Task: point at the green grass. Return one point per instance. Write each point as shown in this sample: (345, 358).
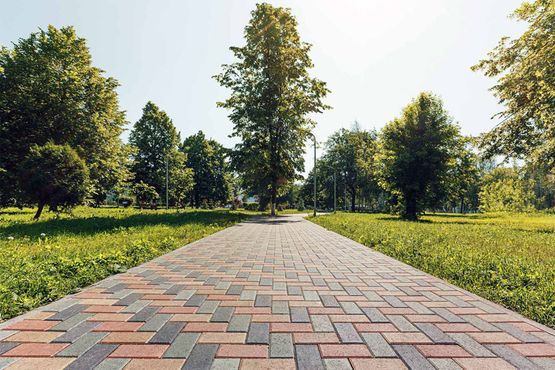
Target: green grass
(89, 245)
(509, 259)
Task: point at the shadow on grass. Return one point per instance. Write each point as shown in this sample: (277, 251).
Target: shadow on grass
(98, 224)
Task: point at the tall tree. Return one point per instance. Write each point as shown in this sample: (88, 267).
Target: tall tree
(272, 95)
(211, 172)
(155, 140)
(526, 86)
(414, 154)
(50, 92)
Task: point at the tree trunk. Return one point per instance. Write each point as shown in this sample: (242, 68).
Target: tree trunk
(273, 201)
(39, 211)
(462, 205)
(353, 200)
(411, 211)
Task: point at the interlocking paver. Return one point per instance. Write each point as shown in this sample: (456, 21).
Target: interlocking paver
(274, 293)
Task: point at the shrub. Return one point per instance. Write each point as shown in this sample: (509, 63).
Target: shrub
(53, 175)
(251, 206)
(125, 201)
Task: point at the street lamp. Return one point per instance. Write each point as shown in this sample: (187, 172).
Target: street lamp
(314, 138)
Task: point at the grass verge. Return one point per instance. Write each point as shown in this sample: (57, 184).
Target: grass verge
(508, 259)
(46, 260)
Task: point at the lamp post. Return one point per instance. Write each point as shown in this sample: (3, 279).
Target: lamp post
(167, 183)
(314, 138)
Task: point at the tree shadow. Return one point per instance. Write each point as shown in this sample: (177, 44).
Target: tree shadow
(99, 224)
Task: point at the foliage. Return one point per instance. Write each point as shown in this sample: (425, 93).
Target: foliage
(464, 176)
(504, 190)
(349, 159)
(181, 181)
(53, 175)
(155, 140)
(211, 172)
(509, 259)
(145, 194)
(253, 206)
(414, 154)
(50, 92)
(90, 245)
(526, 86)
(272, 95)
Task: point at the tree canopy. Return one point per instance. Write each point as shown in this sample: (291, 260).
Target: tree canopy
(53, 175)
(155, 140)
(50, 92)
(414, 154)
(211, 172)
(272, 95)
(526, 86)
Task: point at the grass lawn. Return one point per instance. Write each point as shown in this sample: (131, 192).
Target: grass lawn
(89, 245)
(509, 259)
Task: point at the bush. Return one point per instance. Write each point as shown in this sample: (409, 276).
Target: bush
(300, 205)
(125, 201)
(53, 175)
(251, 206)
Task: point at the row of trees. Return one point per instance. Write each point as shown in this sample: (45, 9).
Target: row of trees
(60, 135)
(60, 121)
(420, 161)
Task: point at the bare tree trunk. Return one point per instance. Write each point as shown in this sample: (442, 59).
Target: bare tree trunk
(273, 201)
(39, 211)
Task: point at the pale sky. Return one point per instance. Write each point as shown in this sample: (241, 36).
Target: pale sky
(375, 55)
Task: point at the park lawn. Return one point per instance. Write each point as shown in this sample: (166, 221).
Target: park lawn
(506, 258)
(89, 245)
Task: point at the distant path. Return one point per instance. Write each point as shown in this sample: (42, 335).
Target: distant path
(274, 293)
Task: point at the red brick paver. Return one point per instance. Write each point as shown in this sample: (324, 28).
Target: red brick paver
(274, 293)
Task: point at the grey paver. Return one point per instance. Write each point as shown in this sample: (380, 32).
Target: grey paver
(308, 357)
(299, 314)
(112, 364)
(259, 333)
(182, 345)
(225, 364)
(145, 314)
(239, 323)
(412, 357)
(167, 333)
(6, 346)
(281, 345)
(201, 357)
(470, 345)
(92, 357)
(222, 314)
(321, 323)
(337, 364)
(82, 345)
(347, 333)
(434, 333)
(374, 315)
(71, 322)
(263, 300)
(208, 307)
(378, 345)
(156, 322)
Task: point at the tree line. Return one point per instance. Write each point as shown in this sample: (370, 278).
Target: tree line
(60, 136)
(420, 161)
(61, 126)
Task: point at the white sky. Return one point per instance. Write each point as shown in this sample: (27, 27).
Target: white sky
(375, 55)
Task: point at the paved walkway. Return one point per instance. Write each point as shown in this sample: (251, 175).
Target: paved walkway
(278, 294)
